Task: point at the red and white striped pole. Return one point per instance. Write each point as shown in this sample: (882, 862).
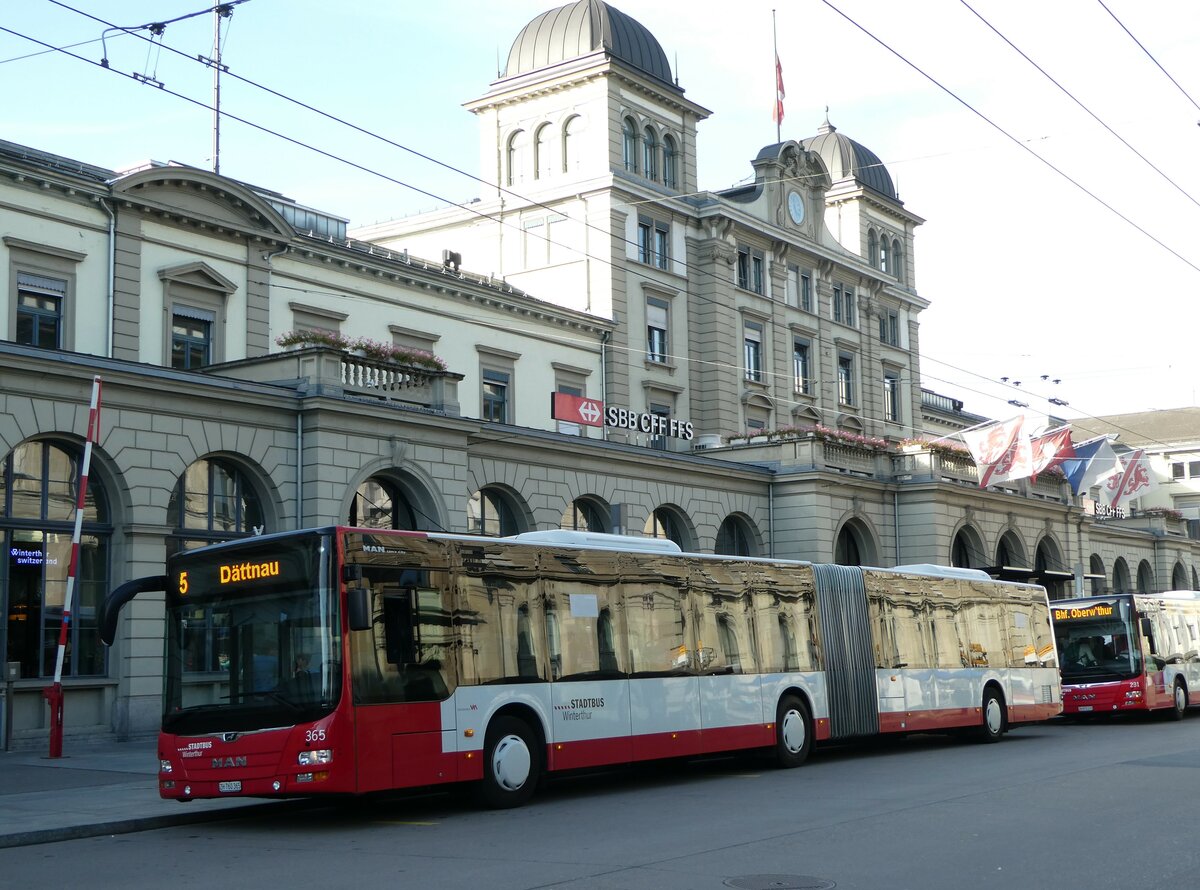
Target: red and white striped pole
(54, 694)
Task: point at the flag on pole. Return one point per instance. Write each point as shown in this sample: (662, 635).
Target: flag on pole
(777, 115)
(1001, 451)
(1051, 449)
(1094, 461)
(1134, 480)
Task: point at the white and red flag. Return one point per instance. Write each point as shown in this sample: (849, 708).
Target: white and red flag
(1051, 449)
(777, 114)
(1001, 451)
(1134, 480)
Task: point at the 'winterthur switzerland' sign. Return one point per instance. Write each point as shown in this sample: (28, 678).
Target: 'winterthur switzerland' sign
(592, 412)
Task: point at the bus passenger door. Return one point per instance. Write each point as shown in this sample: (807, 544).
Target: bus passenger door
(589, 720)
(889, 666)
(731, 708)
(403, 673)
(664, 691)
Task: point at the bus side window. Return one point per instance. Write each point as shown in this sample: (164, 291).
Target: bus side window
(400, 635)
(606, 643)
(527, 661)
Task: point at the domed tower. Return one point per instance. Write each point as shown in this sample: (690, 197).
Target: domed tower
(862, 208)
(587, 90)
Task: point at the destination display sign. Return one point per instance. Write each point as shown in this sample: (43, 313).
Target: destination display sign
(244, 570)
(1082, 613)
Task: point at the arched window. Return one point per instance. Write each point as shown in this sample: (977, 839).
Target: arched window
(883, 254)
(515, 158)
(570, 144)
(542, 162)
(670, 162)
(1121, 576)
(662, 524)
(872, 247)
(734, 538)
(583, 516)
(1179, 579)
(39, 490)
(1145, 578)
(897, 260)
(649, 154)
(489, 513)
(378, 503)
(213, 501)
(629, 144)
(1096, 570)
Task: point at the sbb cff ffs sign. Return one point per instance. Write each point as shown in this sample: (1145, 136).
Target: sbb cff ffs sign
(576, 409)
(592, 412)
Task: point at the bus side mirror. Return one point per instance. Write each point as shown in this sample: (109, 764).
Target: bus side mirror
(1147, 628)
(358, 608)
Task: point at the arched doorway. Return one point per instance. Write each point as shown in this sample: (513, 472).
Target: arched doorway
(39, 490)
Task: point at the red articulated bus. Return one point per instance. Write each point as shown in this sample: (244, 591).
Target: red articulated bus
(349, 661)
(1129, 652)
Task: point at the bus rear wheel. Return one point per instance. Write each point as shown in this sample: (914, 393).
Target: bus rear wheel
(992, 727)
(512, 763)
(1179, 701)
(793, 732)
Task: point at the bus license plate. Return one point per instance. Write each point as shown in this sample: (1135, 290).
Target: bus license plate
(1081, 707)
(229, 787)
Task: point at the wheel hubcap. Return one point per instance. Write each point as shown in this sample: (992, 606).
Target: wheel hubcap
(995, 720)
(511, 762)
(792, 732)
(1180, 699)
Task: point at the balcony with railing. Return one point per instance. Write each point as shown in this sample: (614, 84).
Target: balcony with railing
(333, 372)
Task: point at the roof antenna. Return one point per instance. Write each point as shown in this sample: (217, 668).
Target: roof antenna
(676, 67)
(497, 61)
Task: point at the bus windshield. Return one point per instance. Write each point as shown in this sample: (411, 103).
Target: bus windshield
(1097, 642)
(252, 636)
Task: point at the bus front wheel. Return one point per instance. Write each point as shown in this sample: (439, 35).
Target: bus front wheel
(511, 763)
(992, 726)
(793, 732)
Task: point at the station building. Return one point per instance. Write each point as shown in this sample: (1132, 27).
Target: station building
(596, 343)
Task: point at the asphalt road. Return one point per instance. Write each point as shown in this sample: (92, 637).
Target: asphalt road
(1059, 806)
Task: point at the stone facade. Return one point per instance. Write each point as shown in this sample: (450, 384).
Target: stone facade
(173, 284)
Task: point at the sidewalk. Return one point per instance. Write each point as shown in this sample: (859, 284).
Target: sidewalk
(95, 788)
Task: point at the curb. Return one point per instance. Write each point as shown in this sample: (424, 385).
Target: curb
(145, 823)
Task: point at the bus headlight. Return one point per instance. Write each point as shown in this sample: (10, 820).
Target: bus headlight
(311, 758)
(164, 766)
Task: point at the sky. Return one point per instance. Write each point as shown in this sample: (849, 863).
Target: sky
(1061, 246)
